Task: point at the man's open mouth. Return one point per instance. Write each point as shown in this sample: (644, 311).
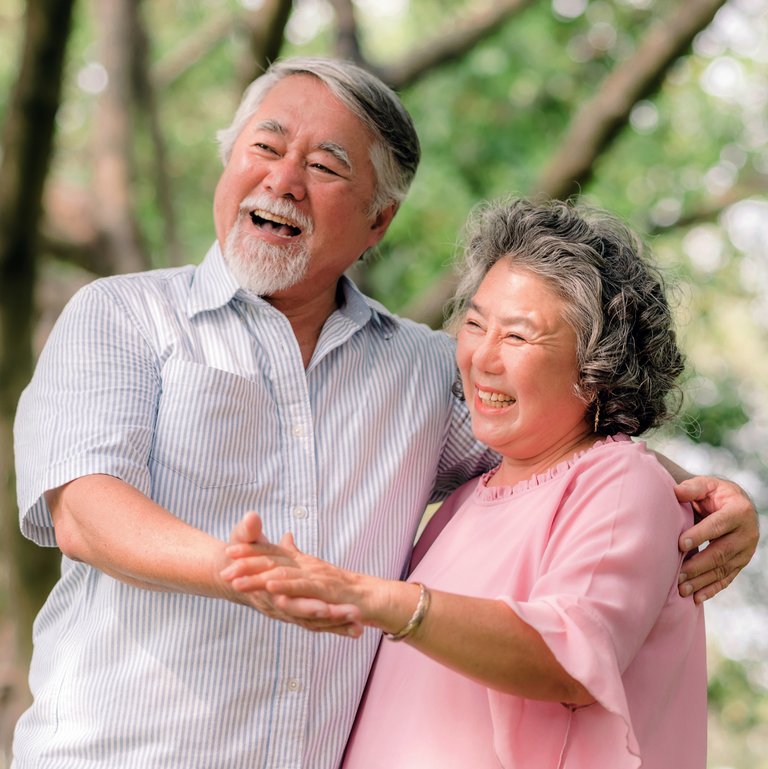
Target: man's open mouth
(275, 223)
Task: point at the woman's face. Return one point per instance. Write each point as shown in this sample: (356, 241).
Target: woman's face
(517, 358)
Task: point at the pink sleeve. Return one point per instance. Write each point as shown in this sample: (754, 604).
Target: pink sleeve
(607, 571)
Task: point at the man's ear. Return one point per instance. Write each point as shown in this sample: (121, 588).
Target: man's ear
(382, 221)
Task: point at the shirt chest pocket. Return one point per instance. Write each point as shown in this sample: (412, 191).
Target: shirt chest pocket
(213, 427)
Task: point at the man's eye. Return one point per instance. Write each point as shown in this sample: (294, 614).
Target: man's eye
(323, 169)
(265, 147)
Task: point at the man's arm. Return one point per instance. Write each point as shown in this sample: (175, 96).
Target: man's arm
(110, 525)
(729, 524)
(107, 523)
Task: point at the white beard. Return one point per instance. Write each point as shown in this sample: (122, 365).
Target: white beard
(265, 268)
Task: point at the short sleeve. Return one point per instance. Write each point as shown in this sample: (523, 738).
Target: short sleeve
(609, 568)
(89, 408)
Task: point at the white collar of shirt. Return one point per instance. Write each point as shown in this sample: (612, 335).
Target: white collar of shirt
(214, 286)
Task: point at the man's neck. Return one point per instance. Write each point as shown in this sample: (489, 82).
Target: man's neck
(307, 316)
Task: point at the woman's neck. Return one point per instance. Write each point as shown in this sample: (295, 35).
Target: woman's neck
(514, 469)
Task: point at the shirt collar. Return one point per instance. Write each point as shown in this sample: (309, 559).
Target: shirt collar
(214, 286)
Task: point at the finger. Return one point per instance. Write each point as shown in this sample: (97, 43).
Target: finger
(698, 575)
(248, 583)
(694, 489)
(713, 587)
(287, 542)
(315, 608)
(248, 566)
(707, 530)
(248, 529)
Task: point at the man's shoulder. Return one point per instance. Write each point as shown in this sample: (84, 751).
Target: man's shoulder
(137, 289)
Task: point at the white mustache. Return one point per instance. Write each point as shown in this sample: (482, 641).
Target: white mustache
(278, 206)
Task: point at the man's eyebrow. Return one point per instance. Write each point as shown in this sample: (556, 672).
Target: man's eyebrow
(337, 151)
(271, 125)
(332, 148)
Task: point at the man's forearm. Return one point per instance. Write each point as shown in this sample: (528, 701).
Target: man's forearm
(112, 526)
(678, 473)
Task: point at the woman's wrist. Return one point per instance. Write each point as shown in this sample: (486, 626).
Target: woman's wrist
(396, 603)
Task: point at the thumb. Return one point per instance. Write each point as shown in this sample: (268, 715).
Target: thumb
(693, 489)
(249, 530)
(288, 543)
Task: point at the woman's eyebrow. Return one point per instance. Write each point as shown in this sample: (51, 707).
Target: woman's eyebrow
(504, 320)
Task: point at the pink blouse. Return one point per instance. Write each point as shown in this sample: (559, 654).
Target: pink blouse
(587, 555)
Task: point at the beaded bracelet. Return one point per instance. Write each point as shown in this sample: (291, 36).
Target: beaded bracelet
(416, 619)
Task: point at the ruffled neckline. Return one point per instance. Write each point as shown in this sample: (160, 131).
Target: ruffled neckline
(488, 493)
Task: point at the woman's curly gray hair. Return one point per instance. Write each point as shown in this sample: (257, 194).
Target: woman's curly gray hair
(614, 296)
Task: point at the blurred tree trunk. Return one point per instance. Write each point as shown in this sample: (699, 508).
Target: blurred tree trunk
(27, 143)
(265, 28)
(112, 198)
(145, 97)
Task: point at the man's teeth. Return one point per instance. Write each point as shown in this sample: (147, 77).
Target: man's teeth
(495, 400)
(273, 218)
(275, 222)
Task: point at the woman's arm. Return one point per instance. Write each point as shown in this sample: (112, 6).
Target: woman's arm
(496, 648)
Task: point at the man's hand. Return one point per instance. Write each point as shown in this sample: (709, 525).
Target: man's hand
(252, 555)
(731, 527)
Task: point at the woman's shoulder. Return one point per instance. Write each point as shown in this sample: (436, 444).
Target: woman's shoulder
(625, 455)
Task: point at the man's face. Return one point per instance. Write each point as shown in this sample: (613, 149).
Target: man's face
(290, 206)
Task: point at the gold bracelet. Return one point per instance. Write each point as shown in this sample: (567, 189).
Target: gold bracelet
(416, 619)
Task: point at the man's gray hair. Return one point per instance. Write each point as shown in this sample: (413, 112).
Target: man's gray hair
(614, 300)
(395, 150)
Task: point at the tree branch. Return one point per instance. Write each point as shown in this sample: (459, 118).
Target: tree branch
(449, 44)
(600, 119)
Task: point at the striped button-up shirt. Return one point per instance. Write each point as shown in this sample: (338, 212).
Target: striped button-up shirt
(194, 391)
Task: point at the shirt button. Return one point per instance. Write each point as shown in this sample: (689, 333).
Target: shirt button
(294, 684)
(298, 431)
(300, 511)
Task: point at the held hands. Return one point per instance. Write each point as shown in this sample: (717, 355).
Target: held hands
(731, 527)
(279, 581)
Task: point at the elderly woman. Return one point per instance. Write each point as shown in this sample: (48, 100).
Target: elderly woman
(543, 626)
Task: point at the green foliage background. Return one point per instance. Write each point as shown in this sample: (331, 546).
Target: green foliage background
(488, 123)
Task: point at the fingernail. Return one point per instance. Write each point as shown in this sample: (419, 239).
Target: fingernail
(686, 590)
(683, 576)
(687, 544)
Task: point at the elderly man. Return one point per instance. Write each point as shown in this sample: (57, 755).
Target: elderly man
(169, 403)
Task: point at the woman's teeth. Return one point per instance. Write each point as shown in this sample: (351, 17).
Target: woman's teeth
(495, 400)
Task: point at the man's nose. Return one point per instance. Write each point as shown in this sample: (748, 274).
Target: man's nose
(286, 179)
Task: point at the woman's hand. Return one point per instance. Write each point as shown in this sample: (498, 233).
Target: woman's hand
(254, 560)
(730, 525)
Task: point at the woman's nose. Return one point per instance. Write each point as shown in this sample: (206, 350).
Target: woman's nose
(486, 356)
